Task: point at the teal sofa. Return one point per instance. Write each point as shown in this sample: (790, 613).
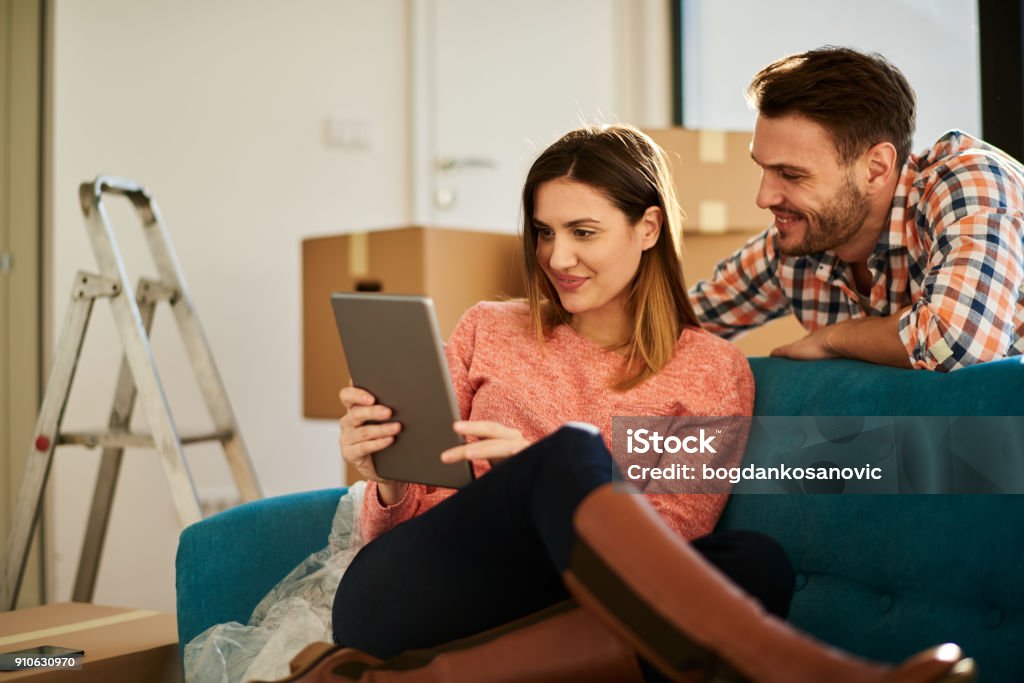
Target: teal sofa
(880, 575)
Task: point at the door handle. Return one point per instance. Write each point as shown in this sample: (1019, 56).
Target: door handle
(449, 164)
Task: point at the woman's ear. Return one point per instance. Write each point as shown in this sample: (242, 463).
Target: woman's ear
(650, 226)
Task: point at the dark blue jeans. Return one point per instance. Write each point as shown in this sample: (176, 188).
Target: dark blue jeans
(494, 551)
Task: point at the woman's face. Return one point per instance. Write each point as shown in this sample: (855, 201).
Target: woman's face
(587, 247)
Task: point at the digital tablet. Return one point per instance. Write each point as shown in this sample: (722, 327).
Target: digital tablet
(394, 350)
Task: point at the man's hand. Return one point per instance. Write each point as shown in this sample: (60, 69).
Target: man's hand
(875, 340)
(815, 346)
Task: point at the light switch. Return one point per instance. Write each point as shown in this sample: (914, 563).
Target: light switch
(348, 133)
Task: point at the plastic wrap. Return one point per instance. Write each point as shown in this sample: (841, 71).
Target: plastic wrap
(296, 612)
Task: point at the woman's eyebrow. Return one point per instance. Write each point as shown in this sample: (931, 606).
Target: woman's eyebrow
(571, 224)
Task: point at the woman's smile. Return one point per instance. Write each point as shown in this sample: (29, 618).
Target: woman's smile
(569, 283)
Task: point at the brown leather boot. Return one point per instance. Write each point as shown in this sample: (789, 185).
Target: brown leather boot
(682, 614)
(322, 662)
(558, 644)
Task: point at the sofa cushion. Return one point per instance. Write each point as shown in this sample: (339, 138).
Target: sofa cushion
(888, 575)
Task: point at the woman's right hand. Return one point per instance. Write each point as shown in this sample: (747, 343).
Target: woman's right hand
(359, 441)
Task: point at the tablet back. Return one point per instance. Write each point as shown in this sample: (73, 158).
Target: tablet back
(394, 350)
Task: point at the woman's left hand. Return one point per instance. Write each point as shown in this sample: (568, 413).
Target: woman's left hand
(494, 441)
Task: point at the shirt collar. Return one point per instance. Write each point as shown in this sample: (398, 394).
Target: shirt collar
(895, 237)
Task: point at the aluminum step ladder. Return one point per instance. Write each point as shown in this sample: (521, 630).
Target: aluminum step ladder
(138, 378)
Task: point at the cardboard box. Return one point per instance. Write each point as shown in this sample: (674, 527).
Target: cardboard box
(716, 180)
(456, 268)
(121, 645)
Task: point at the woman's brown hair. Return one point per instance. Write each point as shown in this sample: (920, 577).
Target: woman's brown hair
(628, 168)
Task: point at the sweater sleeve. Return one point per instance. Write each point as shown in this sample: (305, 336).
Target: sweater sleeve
(695, 514)
(418, 498)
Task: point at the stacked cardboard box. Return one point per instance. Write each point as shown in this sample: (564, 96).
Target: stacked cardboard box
(716, 182)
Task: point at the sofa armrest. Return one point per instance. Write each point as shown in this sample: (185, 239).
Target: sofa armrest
(228, 562)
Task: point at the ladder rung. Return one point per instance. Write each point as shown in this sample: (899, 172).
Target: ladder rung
(123, 439)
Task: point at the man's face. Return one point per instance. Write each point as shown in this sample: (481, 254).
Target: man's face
(813, 195)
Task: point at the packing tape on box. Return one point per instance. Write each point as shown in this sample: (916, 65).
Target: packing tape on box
(712, 217)
(359, 254)
(78, 626)
(711, 146)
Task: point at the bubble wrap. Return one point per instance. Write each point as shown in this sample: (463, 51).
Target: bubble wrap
(295, 613)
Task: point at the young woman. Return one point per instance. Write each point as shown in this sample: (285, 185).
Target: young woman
(607, 329)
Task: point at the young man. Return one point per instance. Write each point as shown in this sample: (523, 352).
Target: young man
(884, 256)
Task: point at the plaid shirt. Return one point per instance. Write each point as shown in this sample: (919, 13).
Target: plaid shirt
(954, 253)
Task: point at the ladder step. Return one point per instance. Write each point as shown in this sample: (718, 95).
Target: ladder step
(125, 439)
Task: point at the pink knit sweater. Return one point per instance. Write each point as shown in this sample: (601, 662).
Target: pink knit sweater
(502, 373)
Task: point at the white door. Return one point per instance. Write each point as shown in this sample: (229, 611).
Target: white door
(493, 84)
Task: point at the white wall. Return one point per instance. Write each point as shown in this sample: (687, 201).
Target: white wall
(934, 43)
(218, 109)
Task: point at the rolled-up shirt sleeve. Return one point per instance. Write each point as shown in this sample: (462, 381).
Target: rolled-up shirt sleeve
(975, 277)
(744, 292)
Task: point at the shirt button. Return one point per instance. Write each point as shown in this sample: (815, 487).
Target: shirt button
(885, 603)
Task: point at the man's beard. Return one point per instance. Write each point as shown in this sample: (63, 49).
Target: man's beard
(834, 225)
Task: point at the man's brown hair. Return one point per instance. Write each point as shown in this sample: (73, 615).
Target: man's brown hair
(861, 99)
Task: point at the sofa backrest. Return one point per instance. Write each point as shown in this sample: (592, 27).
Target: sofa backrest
(226, 563)
(888, 575)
